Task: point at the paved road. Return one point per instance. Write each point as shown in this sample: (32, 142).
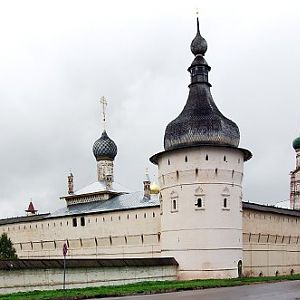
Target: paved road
(289, 290)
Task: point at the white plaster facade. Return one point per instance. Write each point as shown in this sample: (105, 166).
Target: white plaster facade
(129, 233)
(205, 238)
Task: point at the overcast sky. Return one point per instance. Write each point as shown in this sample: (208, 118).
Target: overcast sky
(58, 57)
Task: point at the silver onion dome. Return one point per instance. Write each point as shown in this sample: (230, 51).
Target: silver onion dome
(105, 148)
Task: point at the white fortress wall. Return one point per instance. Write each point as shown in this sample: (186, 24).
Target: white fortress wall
(127, 233)
(271, 243)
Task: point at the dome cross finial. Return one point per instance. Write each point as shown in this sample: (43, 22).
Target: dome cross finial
(103, 102)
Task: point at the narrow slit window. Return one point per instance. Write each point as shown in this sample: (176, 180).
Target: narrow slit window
(82, 221)
(174, 204)
(206, 157)
(224, 157)
(225, 203)
(186, 159)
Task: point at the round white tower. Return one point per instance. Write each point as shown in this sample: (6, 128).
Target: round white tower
(200, 174)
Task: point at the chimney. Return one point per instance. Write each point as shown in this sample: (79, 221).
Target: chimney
(147, 183)
(70, 184)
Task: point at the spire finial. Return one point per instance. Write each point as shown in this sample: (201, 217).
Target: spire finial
(198, 45)
(103, 101)
(197, 15)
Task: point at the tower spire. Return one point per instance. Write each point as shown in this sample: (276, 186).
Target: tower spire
(103, 102)
(200, 122)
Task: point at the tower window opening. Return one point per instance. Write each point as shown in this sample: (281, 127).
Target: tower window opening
(206, 157)
(127, 217)
(186, 159)
(225, 203)
(168, 162)
(82, 221)
(174, 204)
(145, 215)
(232, 173)
(239, 160)
(199, 202)
(216, 171)
(177, 174)
(74, 220)
(153, 214)
(224, 157)
(136, 216)
(196, 171)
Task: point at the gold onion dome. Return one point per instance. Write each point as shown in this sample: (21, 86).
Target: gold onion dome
(154, 188)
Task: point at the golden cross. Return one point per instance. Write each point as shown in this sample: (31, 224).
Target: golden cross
(104, 104)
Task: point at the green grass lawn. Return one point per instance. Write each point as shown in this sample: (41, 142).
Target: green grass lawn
(141, 288)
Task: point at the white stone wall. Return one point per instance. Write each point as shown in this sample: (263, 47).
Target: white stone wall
(130, 233)
(50, 279)
(271, 244)
(206, 241)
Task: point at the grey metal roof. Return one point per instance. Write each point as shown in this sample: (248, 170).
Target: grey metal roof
(97, 187)
(86, 263)
(120, 202)
(271, 209)
(33, 218)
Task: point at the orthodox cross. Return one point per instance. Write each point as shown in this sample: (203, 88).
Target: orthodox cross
(104, 104)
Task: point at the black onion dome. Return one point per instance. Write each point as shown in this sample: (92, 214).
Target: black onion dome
(200, 122)
(105, 148)
(199, 44)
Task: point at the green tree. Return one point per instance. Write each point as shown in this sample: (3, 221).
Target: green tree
(7, 250)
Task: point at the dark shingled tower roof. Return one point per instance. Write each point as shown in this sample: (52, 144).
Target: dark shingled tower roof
(200, 122)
